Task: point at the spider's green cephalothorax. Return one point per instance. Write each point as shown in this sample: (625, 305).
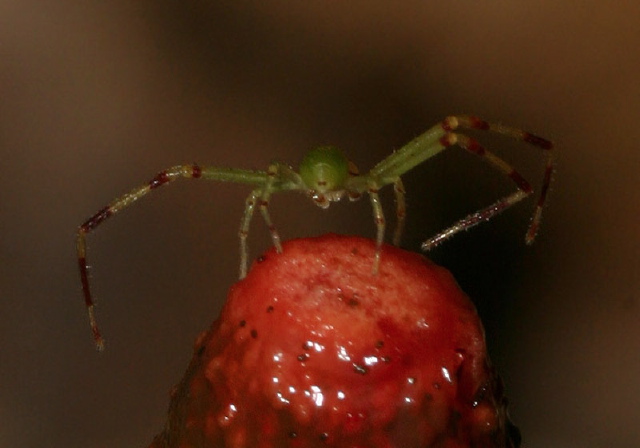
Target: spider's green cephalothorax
(324, 169)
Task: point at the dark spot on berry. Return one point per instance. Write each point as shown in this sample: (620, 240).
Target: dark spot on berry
(293, 435)
(303, 357)
(254, 334)
(201, 350)
(379, 344)
(352, 302)
(436, 386)
(308, 345)
(362, 370)
(270, 309)
(261, 258)
(354, 251)
(243, 323)
(324, 436)
(386, 359)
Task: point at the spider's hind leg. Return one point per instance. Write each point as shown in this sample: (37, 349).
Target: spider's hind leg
(273, 174)
(280, 177)
(378, 217)
(243, 233)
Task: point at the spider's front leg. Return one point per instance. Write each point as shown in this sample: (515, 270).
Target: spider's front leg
(256, 178)
(443, 136)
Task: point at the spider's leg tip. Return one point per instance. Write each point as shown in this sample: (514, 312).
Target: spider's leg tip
(531, 234)
(428, 245)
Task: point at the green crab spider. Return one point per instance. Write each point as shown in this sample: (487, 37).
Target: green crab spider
(325, 175)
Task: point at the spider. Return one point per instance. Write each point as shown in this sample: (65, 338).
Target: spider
(325, 175)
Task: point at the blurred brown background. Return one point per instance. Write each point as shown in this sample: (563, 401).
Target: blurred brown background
(95, 97)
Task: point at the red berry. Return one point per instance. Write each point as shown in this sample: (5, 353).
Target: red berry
(313, 350)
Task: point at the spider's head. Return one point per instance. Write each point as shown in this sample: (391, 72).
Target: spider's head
(324, 171)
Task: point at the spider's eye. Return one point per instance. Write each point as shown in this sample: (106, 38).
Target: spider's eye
(324, 169)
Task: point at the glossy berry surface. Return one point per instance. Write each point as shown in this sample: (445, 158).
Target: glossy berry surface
(312, 350)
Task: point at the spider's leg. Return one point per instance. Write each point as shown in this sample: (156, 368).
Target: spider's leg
(544, 190)
(243, 233)
(524, 189)
(279, 177)
(471, 122)
(409, 156)
(274, 171)
(124, 201)
(401, 211)
(475, 218)
(439, 138)
(378, 217)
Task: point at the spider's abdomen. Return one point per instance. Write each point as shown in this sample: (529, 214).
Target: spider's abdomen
(324, 169)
